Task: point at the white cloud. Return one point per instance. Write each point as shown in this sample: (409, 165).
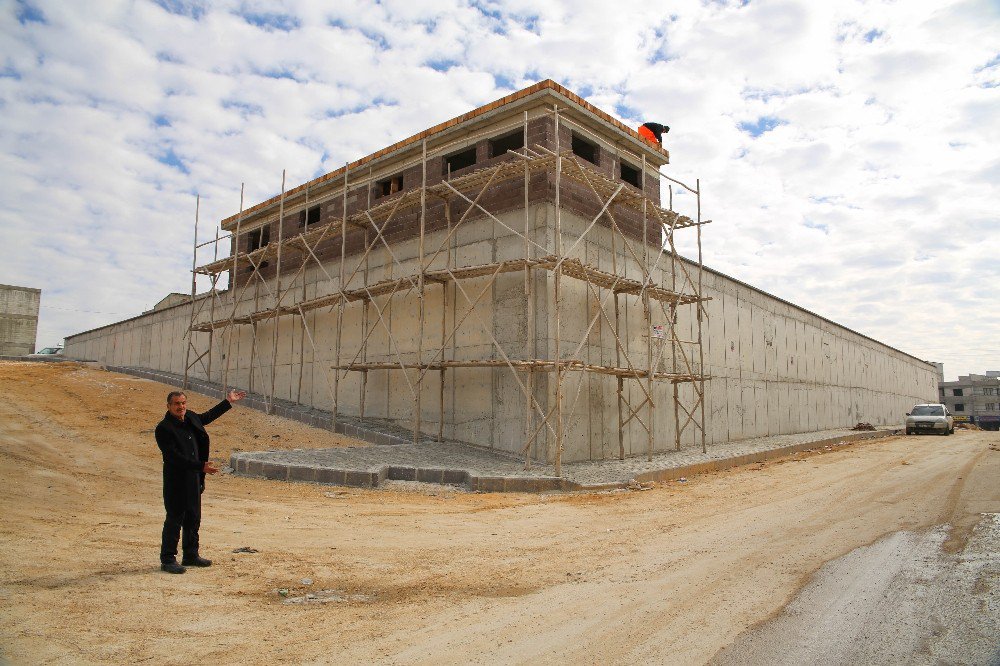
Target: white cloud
(847, 150)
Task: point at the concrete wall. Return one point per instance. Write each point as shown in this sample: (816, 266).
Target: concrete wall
(775, 368)
(18, 319)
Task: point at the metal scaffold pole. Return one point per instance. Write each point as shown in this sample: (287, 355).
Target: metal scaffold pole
(701, 348)
(420, 290)
(232, 291)
(557, 277)
(194, 288)
(277, 296)
(340, 301)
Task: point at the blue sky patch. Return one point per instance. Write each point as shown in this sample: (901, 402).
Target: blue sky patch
(377, 38)
(443, 64)
(189, 8)
(163, 56)
(161, 120)
(761, 125)
(171, 160)
(279, 73)
(872, 35)
(28, 13)
(502, 81)
(529, 23)
(271, 21)
(817, 225)
(824, 199)
(376, 103)
(625, 111)
(486, 10)
(243, 108)
(662, 54)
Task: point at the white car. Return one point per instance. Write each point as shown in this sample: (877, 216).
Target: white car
(48, 354)
(931, 418)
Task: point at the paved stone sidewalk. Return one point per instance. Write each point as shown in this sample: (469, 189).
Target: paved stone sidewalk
(489, 471)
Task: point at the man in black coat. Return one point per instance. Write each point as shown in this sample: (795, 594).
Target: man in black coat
(184, 443)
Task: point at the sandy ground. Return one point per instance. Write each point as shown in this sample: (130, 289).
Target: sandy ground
(423, 575)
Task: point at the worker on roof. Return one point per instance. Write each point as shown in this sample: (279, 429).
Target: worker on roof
(653, 132)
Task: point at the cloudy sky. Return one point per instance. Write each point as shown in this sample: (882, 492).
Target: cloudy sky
(849, 151)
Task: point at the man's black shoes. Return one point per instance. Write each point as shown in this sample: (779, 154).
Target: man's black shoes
(172, 567)
(192, 561)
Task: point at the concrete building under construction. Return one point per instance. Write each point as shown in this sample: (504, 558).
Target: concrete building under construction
(18, 319)
(509, 279)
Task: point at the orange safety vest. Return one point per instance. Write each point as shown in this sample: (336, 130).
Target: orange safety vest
(648, 135)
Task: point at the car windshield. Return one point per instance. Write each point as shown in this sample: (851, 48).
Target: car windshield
(928, 410)
(49, 350)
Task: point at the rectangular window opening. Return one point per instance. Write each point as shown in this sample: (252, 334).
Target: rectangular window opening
(502, 144)
(957, 392)
(258, 238)
(959, 407)
(585, 149)
(630, 175)
(391, 185)
(458, 161)
(308, 218)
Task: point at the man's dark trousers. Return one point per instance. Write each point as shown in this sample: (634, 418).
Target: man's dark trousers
(182, 500)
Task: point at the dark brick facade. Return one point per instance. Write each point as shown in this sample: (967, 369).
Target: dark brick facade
(502, 196)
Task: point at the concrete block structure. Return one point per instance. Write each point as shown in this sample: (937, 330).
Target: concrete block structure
(509, 279)
(18, 319)
(974, 399)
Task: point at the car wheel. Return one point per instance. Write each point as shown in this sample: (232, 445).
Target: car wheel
(909, 432)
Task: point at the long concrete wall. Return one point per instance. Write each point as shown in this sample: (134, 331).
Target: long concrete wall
(18, 319)
(775, 368)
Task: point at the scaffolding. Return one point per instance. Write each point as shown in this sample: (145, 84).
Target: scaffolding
(665, 357)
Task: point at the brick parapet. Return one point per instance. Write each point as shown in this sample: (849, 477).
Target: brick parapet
(501, 197)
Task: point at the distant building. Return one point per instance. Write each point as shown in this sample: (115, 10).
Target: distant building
(974, 399)
(18, 319)
(169, 301)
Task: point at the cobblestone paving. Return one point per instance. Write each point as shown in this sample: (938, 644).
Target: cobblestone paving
(484, 463)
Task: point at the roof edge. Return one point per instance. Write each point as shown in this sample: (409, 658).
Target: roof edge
(547, 84)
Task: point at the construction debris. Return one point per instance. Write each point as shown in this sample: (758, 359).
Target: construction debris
(863, 426)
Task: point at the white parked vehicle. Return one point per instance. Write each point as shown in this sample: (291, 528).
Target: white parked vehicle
(933, 418)
(48, 354)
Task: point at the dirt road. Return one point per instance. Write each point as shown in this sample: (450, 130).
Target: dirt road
(669, 575)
